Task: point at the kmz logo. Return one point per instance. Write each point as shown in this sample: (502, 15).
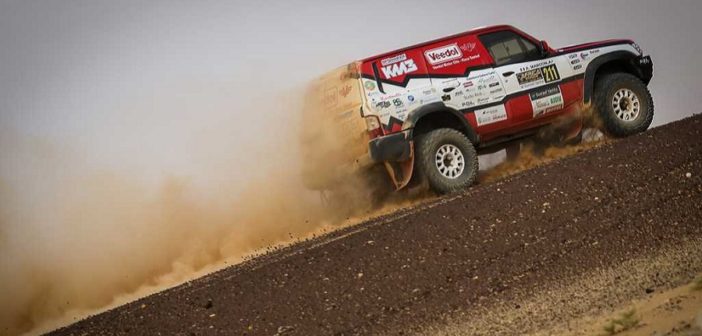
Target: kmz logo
(399, 69)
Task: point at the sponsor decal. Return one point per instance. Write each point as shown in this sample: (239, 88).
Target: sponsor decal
(458, 93)
(468, 46)
(493, 84)
(369, 85)
(397, 102)
(529, 76)
(578, 67)
(541, 103)
(344, 91)
(394, 59)
(449, 82)
(485, 78)
(399, 69)
(571, 56)
(391, 96)
(584, 55)
(468, 84)
(544, 93)
(496, 90)
(470, 58)
(537, 65)
(410, 98)
(575, 61)
(490, 115)
(446, 97)
(546, 100)
(443, 54)
(546, 74)
(383, 104)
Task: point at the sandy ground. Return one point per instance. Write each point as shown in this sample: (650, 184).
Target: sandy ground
(656, 287)
(675, 312)
(533, 253)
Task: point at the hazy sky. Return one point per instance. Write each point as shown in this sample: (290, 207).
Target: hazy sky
(193, 87)
(102, 101)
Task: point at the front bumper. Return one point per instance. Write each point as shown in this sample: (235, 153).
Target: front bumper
(645, 66)
(391, 148)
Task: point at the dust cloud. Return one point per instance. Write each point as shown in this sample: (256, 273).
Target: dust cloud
(76, 240)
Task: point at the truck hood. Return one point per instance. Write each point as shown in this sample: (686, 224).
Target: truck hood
(590, 45)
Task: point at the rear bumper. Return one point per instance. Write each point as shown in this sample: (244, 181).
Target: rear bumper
(393, 148)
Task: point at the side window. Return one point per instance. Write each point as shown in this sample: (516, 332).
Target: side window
(507, 47)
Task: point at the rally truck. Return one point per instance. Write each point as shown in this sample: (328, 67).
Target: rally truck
(426, 111)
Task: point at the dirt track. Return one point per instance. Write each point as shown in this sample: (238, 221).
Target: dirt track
(464, 253)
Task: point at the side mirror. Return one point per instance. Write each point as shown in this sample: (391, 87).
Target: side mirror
(544, 48)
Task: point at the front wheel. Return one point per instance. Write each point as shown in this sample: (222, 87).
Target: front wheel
(624, 104)
(446, 159)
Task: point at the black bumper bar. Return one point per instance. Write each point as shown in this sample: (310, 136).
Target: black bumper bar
(645, 65)
(393, 147)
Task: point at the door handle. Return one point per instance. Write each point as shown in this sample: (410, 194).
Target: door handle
(508, 73)
(449, 89)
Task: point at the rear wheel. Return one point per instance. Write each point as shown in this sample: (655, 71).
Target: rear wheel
(446, 159)
(624, 104)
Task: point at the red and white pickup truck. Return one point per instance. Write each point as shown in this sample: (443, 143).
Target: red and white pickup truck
(428, 110)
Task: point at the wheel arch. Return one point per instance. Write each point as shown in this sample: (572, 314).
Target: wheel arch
(438, 115)
(618, 61)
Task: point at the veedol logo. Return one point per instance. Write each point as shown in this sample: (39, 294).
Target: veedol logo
(399, 69)
(443, 54)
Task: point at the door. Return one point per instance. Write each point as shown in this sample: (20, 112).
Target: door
(461, 73)
(531, 81)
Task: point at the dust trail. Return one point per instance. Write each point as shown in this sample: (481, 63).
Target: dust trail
(109, 236)
(75, 239)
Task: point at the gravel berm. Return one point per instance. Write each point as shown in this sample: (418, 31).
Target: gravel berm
(397, 273)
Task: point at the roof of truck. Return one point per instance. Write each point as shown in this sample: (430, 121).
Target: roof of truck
(479, 30)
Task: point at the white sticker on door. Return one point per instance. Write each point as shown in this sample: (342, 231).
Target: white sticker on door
(491, 115)
(546, 100)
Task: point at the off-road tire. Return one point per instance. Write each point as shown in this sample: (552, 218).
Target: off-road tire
(426, 150)
(605, 89)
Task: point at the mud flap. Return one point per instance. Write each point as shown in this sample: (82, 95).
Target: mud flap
(401, 172)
